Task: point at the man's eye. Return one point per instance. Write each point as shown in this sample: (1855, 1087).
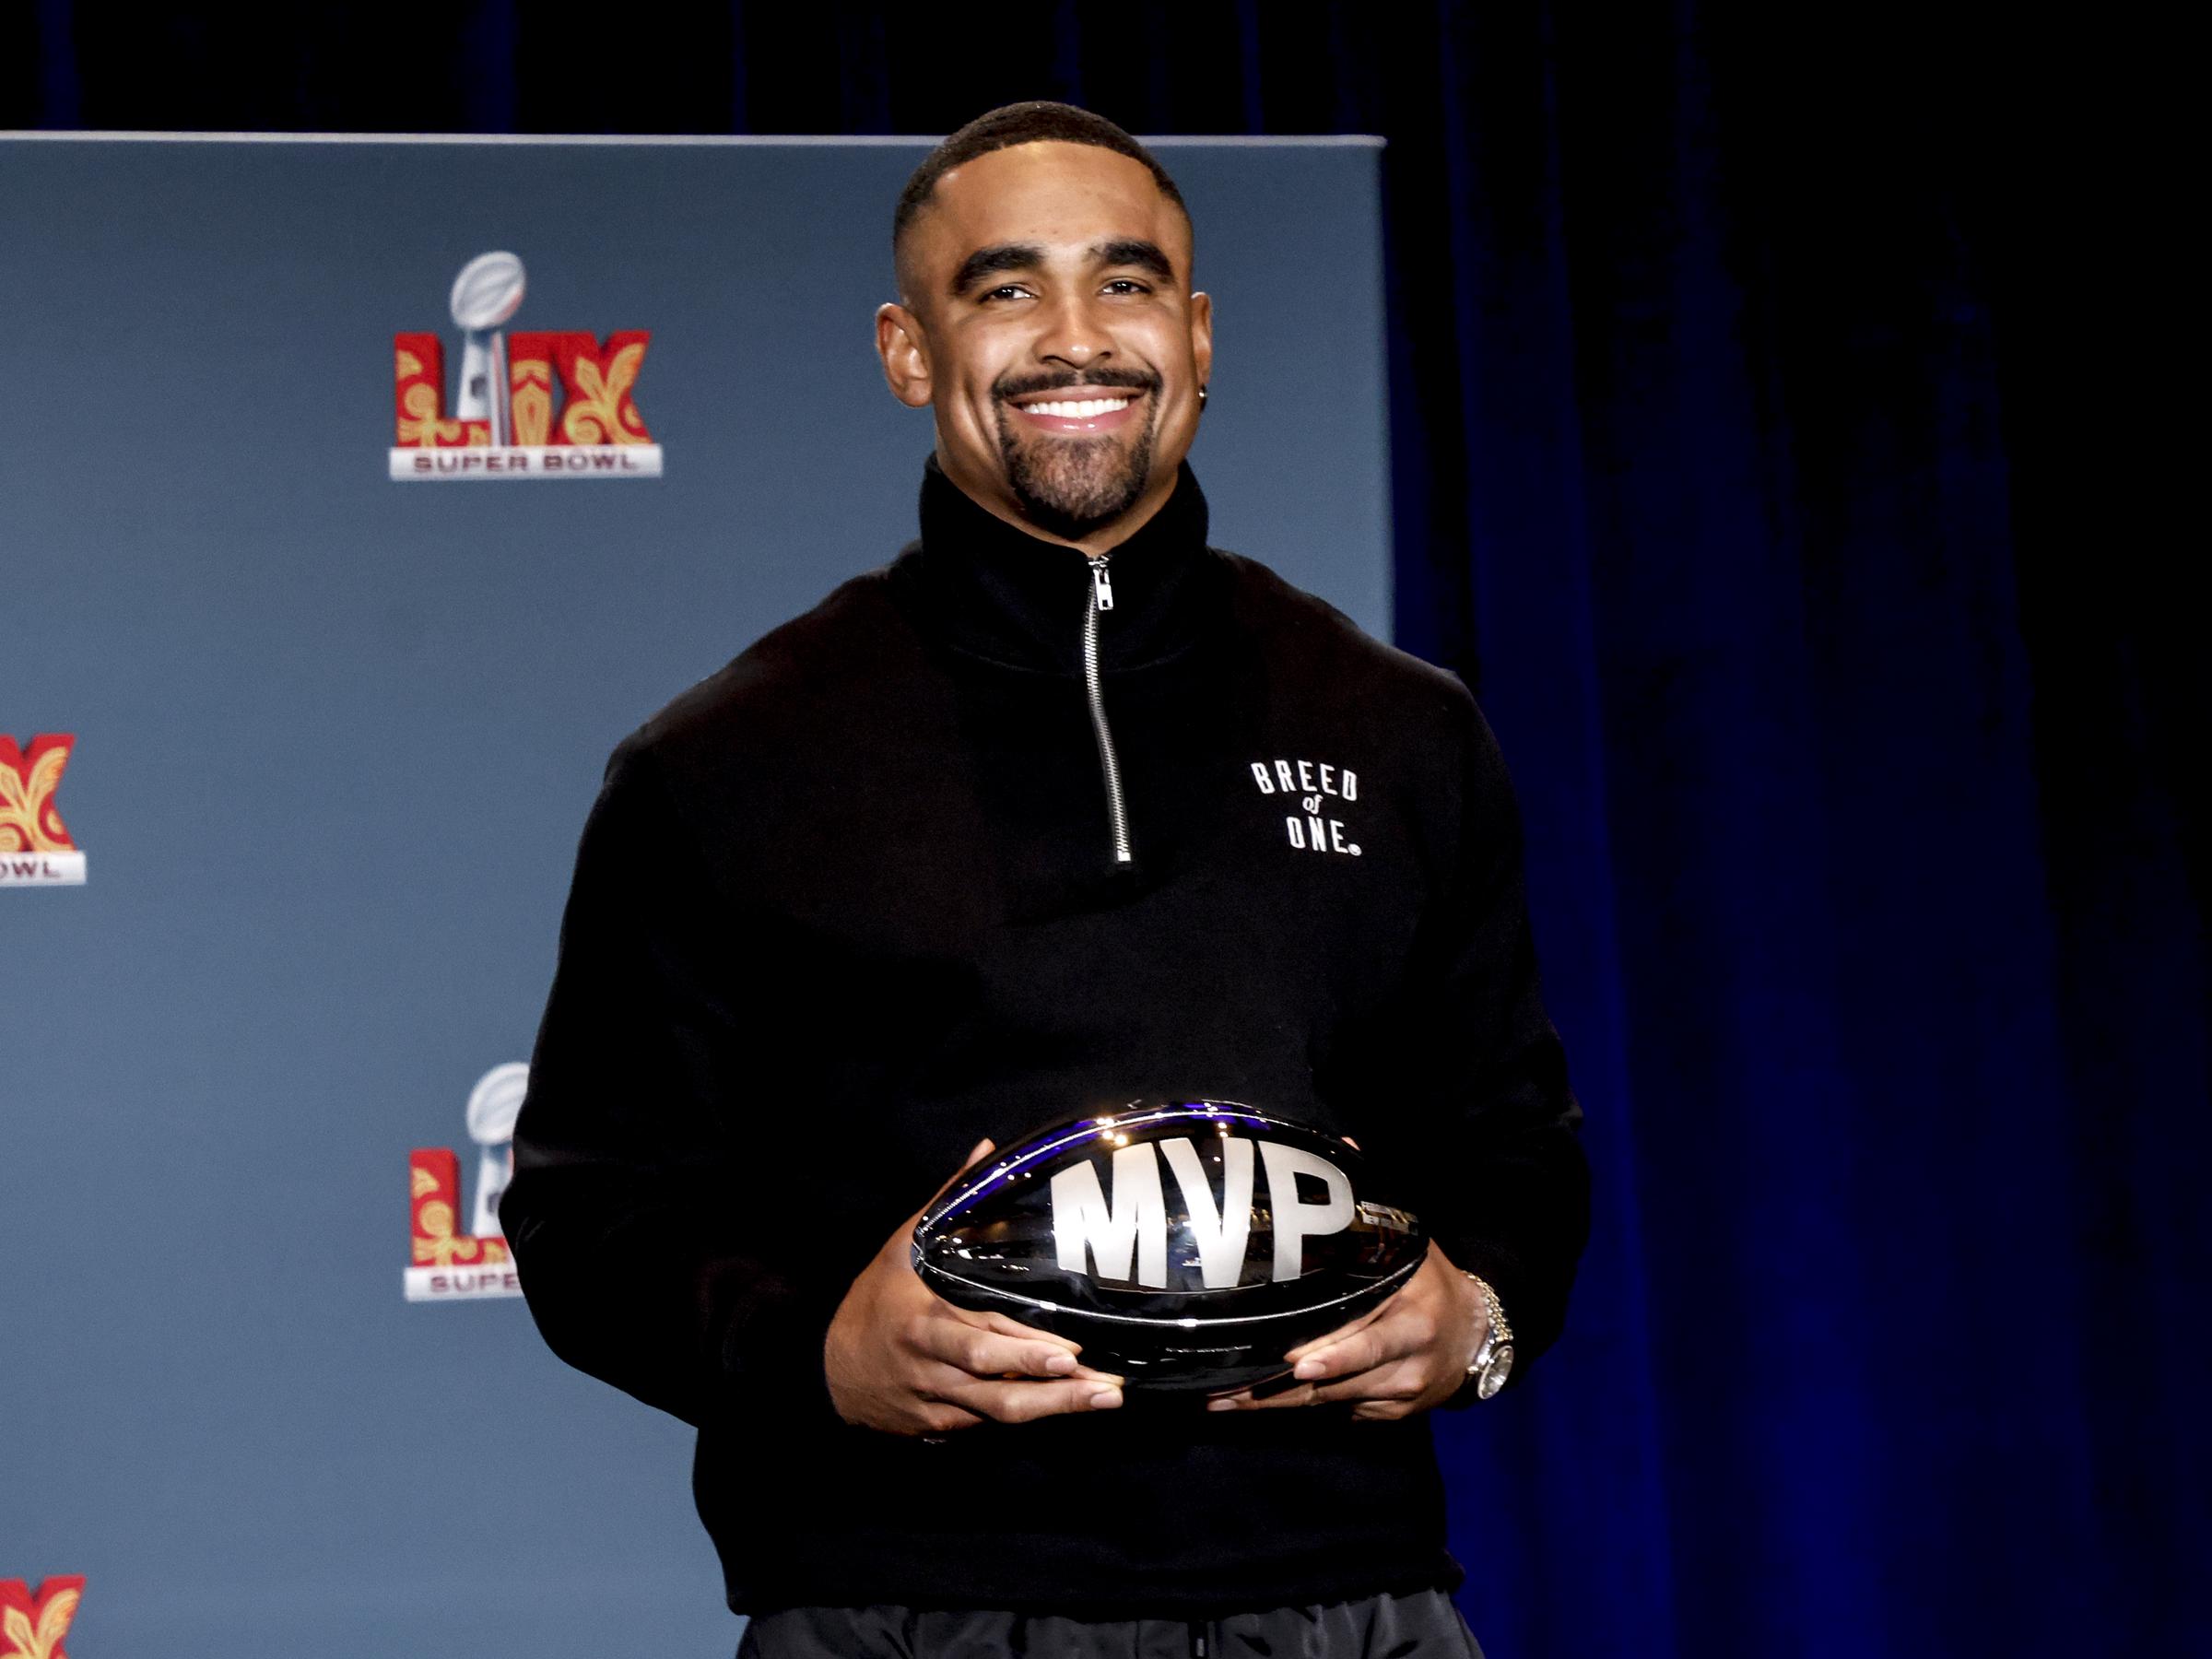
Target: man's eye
(1128, 285)
(1010, 289)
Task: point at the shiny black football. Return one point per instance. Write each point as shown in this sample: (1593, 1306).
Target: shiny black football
(1186, 1245)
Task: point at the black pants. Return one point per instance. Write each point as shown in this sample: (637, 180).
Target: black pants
(1421, 1626)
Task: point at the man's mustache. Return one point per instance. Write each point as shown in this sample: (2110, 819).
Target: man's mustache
(1127, 380)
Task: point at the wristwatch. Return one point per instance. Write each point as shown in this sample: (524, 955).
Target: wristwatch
(1493, 1361)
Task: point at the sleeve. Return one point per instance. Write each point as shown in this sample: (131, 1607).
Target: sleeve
(1501, 1177)
(635, 1259)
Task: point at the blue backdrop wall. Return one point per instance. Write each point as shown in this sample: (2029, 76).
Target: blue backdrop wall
(336, 739)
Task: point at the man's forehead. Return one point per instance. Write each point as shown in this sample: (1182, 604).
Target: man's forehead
(1053, 194)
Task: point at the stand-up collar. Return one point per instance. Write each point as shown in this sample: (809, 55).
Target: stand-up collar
(996, 592)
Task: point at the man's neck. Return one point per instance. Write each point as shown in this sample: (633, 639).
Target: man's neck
(991, 496)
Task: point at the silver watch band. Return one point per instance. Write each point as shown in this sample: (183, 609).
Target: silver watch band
(1494, 1360)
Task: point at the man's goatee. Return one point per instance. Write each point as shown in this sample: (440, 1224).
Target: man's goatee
(1076, 484)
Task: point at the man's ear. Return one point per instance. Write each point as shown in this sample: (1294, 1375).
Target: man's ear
(1202, 336)
(904, 348)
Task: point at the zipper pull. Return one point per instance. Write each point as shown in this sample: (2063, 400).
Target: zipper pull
(1101, 583)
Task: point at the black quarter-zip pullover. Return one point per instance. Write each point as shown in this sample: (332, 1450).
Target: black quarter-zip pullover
(855, 902)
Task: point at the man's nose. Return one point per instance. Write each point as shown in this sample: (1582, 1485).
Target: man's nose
(1073, 334)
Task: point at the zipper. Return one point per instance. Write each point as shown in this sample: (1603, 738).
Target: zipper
(1101, 600)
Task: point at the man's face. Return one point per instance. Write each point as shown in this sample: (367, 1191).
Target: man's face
(1048, 321)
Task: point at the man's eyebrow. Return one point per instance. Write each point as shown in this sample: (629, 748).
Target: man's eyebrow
(989, 262)
(1135, 251)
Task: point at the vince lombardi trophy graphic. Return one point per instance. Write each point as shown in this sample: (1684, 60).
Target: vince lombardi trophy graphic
(486, 295)
(492, 1107)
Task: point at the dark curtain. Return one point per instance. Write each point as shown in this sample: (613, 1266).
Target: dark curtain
(1772, 455)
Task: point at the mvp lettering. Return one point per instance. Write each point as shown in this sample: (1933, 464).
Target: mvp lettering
(1131, 1232)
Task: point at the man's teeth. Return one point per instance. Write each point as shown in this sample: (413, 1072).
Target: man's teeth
(1080, 411)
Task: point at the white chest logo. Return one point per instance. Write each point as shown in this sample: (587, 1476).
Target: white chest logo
(1314, 785)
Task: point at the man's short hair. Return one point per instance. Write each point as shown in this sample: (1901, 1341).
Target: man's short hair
(1003, 128)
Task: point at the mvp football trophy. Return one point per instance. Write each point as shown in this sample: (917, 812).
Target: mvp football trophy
(1186, 1244)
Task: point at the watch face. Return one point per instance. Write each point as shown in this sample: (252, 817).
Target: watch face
(1495, 1373)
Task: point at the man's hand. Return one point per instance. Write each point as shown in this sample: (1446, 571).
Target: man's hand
(902, 1358)
(1409, 1355)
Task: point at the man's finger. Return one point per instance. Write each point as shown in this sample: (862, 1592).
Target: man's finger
(1382, 1411)
(1341, 1332)
(1362, 1366)
(1026, 1402)
(1014, 1328)
(1371, 1345)
(1393, 1383)
(982, 1352)
(1298, 1393)
(1397, 1382)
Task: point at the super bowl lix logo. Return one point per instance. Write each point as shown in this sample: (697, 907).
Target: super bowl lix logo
(33, 1623)
(35, 851)
(445, 1264)
(506, 421)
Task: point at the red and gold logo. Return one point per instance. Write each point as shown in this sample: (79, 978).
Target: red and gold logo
(506, 421)
(35, 850)
(32, 1626)
(446, 1264)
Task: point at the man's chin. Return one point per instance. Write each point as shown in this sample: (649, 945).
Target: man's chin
(1073, 518)
(1073, 495)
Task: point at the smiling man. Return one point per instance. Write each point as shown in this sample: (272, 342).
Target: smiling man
(994, 246)
(1062, 808)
